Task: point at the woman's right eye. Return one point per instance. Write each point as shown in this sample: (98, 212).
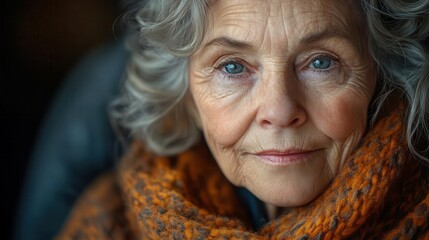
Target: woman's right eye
(233, 68)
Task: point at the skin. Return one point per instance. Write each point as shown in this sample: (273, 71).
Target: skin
(280, 96)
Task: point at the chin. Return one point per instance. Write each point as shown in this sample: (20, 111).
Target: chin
(288, 198)
(293, 201)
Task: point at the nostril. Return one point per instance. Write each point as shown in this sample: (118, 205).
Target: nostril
(266, 123)
(282, 119)
(295, 122)
(280, 109)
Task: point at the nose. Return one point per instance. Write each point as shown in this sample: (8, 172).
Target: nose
(280, 107)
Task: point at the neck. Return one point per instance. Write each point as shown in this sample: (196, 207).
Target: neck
(271, 211)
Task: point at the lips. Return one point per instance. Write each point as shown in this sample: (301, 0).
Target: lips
(287, 157)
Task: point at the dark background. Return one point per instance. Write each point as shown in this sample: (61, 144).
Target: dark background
(41, 41)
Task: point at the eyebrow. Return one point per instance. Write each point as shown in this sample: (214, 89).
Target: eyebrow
(313, 37)
(229, 42)
(322, 35)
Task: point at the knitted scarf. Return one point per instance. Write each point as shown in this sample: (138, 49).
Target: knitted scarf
(381, 193)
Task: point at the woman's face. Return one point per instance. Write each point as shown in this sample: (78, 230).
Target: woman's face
(282, 89)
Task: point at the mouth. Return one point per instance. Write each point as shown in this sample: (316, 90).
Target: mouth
(286, 157)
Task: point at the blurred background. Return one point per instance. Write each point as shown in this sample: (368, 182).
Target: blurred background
(41, 41)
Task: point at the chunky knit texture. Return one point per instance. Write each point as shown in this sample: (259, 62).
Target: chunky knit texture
(381, 193)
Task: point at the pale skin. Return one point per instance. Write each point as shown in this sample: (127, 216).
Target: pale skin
(281, 91)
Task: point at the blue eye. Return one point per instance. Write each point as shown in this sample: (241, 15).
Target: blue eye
(321, 63)
(233, 68)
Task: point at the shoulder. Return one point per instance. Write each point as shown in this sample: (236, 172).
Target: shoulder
(99, 213)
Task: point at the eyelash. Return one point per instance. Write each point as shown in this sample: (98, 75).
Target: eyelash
(246, 70)
(220, 65)
(335, 62)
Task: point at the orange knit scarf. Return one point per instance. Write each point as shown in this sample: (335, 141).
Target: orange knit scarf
(381, 193)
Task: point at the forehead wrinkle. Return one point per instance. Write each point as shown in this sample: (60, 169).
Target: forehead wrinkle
(235, 10)
(230, 26)
(235, 20)
(232, 16)
(320, 24)
(326, 24)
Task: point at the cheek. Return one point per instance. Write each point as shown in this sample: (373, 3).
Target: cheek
(222, 118)
(222, 124)
(342, 116)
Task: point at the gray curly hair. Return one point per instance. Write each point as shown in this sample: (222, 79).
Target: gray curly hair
(154, 105)
(399, 44)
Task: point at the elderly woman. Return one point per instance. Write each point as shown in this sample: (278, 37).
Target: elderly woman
(313, 116)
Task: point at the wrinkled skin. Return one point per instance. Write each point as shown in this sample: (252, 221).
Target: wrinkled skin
(281, 90)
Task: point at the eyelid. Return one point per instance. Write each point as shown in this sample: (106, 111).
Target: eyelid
(308, 58)
(247, 73)
(225, 61)
(325, 56)
(247, 67)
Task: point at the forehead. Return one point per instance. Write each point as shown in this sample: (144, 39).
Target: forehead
(256, 20)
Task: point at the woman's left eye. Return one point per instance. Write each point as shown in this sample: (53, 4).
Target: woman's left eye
(322, 63)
